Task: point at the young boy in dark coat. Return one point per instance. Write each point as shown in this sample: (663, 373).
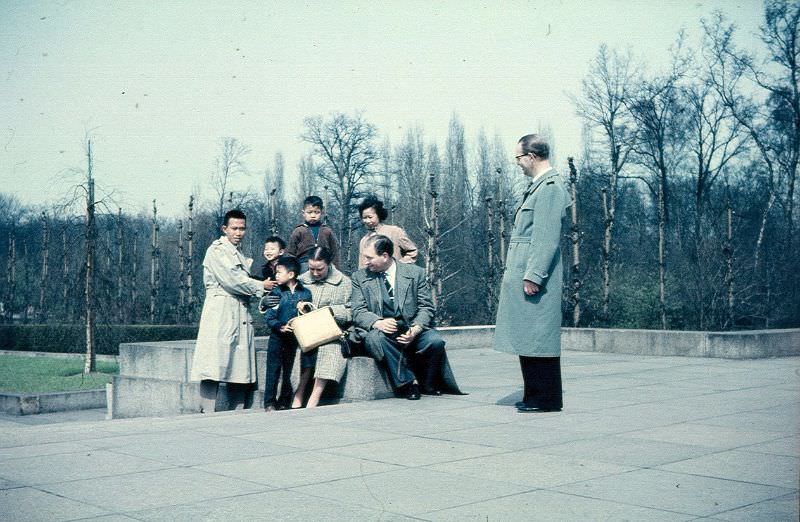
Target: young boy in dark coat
(282, 345)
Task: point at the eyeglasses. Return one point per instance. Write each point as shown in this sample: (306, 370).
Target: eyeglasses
(521, 156)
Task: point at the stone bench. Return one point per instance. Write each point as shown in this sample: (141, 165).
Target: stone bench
(154, 380)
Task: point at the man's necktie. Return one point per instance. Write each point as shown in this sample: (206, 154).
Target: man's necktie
(388, 286)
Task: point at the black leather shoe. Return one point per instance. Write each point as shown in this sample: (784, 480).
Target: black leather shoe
(534, 409)
(411, 392)
(520, 404)
(426, 390)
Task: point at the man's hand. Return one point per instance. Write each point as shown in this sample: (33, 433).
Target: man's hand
(387, 326)
(530, 288)
(304, 307)
(410, 335)
(286, 328)
(269, 284)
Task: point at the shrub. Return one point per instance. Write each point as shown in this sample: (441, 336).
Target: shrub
(71, 338)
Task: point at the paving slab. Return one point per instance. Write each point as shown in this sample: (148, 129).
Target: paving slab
(551, 506)
(29, 504)
(640, 438)
(531, 468)
(772, 470)
(138, 491)
(274, 505)
(626, 451)
(773, 510)
(298, 469)
(78, 465)
(679, 492)
(412, 491)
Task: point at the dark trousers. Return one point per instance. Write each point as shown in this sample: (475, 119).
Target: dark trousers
(542, 378)
(421, 359)
(281, 351)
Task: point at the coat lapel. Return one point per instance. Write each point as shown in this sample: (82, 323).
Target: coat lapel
(402, 283)
(374, 300)
(532, 186)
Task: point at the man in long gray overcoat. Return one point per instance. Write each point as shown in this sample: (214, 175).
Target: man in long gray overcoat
(529, 312)
(225, 349)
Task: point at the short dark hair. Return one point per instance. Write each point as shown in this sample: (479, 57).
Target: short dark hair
(314, 201)
(321, 254)
(276, 239)
(373, 202)
(535, 144)
(290, 263)
(233, 214)
(382, 244)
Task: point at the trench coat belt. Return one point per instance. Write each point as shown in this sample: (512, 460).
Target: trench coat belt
(216, 291)
(519, 239)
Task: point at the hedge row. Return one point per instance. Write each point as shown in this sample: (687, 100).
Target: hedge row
(71, 338)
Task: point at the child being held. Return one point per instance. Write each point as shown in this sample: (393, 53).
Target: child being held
(312, 233)
(282, 345)
(274, 248)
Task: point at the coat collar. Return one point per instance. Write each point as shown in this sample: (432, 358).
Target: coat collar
(335, 277)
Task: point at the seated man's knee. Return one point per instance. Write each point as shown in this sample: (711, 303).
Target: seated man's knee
(431, 341)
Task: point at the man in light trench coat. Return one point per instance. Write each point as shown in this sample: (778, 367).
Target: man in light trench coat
(225, 349)
(529, 311)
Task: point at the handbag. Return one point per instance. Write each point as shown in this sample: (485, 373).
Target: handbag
(315, 328)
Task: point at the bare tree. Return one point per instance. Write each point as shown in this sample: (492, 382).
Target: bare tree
(45, 266)
(657, 110)
(89, 289)
(155, 254)
(345, 146)
(575, 240)
(774, 126)
(120, 304)
(228, 165)
(607, 88)
(190, 261)
(713, 139)
(433, 266)
(181, 275)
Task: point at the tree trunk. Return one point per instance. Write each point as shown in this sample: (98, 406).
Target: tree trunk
(190, 262)
(11, 274)
(181, 275)
(154, 268)
(273, 219)
(121, 305)
(45, 266)
(729, 278)
(491, 283)
(90, 363)
(134, 278)
(65, 282)
(433, 269)
(662, 262)
(608, 226)
(761, 231)
(575, 294)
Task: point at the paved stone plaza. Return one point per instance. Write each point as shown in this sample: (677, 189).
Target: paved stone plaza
(640, 438)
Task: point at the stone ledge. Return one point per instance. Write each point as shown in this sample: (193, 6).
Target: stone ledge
(752, 344)
(33, 403)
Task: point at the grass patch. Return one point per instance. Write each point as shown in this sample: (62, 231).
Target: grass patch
(48, 374)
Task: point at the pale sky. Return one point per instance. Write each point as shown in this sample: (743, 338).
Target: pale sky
(158, 83)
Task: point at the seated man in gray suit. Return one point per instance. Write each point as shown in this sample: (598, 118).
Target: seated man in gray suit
(393, 315)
